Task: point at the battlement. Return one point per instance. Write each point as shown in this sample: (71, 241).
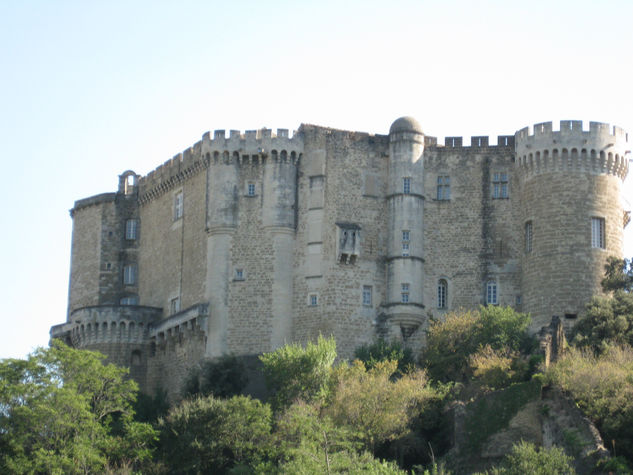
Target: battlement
(601, 149)
(571, 134)
(252, 143)
(479, 141)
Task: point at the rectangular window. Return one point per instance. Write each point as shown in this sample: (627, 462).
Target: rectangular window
(405, 248)
(491, 293)
(313, 300)
(404, 293)
(406, 185)
(178, 206)
(528, 236)
(131, 229)
(442, 288)
(174, 305)
(443, 187)
(250, 191)
(239, 274)
(129, 300)
(597, 233)
(500, 185)
(129, 274)
(367, 297)
(406, 236)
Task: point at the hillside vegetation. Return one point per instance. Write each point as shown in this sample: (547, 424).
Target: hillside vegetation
(63, 411)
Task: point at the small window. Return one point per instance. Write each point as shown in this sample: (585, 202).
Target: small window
(250, 189)
(178, 206)
(129, 300)
(500, 185)
(367, 295)
(404, 293)
(406, 185)
(406, 235)
(174, 305)
(443, 187)
(405, 248)
(239, 274)
(491, 292)
(136, 357)
(597, 233)
(131, 229)
(442, 293)
(528, 236)
(129, 274)
(313, 300)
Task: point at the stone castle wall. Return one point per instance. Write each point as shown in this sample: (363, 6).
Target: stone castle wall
(282, 237)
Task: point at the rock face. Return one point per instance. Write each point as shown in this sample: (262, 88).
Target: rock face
(246, 241)
(545, 418)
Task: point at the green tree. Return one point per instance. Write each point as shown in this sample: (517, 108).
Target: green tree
(381, 350)
(618, 275)
(608, 320)
(313, 443)
(222, 377)
(376, 407)
(210, 435)
(451, 342)
(63, 411)
(525, 458)
(293, 372)
(602, 386)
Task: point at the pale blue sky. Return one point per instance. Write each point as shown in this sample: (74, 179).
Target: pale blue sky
(90, 89)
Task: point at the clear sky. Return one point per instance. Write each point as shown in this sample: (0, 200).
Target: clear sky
(90, 89)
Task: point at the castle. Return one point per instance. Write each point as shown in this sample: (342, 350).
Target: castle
(247, 241)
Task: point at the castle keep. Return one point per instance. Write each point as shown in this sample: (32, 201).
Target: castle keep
(246, 241)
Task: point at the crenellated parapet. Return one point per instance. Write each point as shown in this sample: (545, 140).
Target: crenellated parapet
(602, 149)
(253, 146)
(106, 324)
(479, 141)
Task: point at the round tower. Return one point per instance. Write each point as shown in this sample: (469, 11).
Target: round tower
(571, 214)
(280, 183)
(405, 205)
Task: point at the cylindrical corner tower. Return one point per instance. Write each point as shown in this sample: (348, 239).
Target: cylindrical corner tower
(405, 205)
(222, 215)
(280, 189)
(571, 214)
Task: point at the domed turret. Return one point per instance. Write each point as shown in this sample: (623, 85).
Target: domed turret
(406, 124)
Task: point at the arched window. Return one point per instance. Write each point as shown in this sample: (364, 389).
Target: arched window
(442, 293)
(491, 292)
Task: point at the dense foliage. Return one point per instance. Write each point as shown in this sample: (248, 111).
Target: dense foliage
(63, 411)
(211, 435)
(453, 342)
(294, 372)
(222, 377)
(602, 386)
(381, 350)
(527, 459)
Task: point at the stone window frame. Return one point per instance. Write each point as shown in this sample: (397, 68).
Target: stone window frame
(443, 192)
(239, 274)
(529, 236)
(367, 295)
(492, 292)
(500, 185)
(598, 236)
(404, 292)
(130, 274)
(131, 229)
(179, 205)
(251, 189)
(442, 294)
(313, 299)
